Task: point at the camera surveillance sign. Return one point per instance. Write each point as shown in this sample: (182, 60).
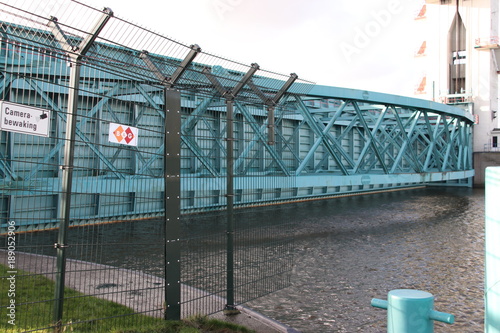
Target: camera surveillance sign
(20, 118)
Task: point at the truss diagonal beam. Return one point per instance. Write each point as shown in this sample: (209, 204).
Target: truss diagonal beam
(321, 138)
(326, 138)
(406, 141)
(433, 153)
(78, 132)
(371, 139)
(405, 147)
(6, 169)
(198, 153)
(257, 132)
(450, 145)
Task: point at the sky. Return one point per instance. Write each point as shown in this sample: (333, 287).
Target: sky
(366, 44)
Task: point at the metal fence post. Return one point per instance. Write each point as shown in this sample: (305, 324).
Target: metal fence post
(230, 95)
(172, 170)
(230, 203)
(65, 200)
(75, 56)
(172, 179)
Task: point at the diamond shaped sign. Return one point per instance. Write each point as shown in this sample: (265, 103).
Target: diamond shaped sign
(123, 134)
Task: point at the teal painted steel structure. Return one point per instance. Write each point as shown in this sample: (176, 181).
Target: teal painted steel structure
(411, 310)
(328, 141)
(492, 252)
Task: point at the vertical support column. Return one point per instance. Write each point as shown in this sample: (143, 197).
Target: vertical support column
(172, 179)
(230, 96)
(75, 56)
(230, 307)
(492, 251)
(172, 172)
(65, 201)
(270, 125)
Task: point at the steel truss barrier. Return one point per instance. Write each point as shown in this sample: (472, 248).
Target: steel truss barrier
(324, 141)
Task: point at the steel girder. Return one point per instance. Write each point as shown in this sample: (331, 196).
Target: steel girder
(330, 142)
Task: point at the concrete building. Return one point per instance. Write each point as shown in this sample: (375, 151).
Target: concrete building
(457, 57)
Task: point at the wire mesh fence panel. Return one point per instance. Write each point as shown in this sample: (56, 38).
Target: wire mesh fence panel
(113, 172)
(264, 261)
(84, 150)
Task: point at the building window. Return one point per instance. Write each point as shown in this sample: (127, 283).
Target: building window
(495, 142)
(459, 58)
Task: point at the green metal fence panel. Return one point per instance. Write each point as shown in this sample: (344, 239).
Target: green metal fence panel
(118, 190)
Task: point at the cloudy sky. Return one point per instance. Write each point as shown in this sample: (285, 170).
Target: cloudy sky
(366, 44)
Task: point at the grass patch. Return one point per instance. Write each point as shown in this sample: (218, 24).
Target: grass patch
(34, 297)
(196, 324)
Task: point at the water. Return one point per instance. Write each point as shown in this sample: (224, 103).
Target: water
(351, 250)
(346, 252)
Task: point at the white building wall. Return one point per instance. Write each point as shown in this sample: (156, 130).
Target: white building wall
(480, 18)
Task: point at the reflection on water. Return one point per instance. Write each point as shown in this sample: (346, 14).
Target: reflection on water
(351, 250)
(346, 252)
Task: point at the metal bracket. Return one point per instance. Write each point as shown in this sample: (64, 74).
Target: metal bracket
(86, 43)
(231, 94)
(60, 246)
(172, 80)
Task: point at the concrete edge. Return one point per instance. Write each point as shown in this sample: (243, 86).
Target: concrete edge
(254, 320)
(266, 320)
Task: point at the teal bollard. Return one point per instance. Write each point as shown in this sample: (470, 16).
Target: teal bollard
(411, 311)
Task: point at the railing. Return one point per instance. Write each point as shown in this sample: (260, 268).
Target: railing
(488, 147)
(456, 99)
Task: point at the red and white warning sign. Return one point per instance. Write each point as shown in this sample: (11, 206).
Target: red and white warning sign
(123, 134)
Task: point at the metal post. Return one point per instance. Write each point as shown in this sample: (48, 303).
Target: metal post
(271, 103)
(492, 251)
(65, 201)
(172, 180)
(230, 307)
(172, 170)
(230, 95)
(270, 125)
(75, 55)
